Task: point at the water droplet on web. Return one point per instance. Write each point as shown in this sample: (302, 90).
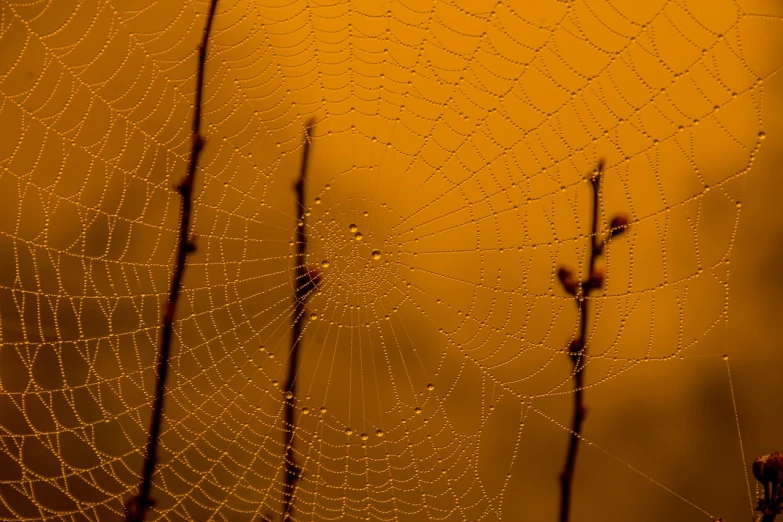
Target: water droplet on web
(726, 357)
(430, 387)
(317, 201)
(376, 254)
(328, 187)
(762, 135)
(417, 410)
(314, 317)
(305, 410)
(348, 431)
(323, 409)
(352, 227)
(364, 436)
(379, 432)
(275, 382)
(358, 236)
(325, 263)
(289, 395)
(366, 213)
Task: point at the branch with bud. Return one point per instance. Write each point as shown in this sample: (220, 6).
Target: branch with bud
(306, 280)
(136, 507)
(577, 349)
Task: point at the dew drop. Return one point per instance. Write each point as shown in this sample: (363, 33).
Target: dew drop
(305, 410)
(275, 382)
(726, 357)
(417, 410)
(325, 263)
(430, 387)
(323, 409)
(379, 432)
(366, 213)
(762, 135)
(352, 227)
(348, 431)
(358, 236)
(376, 254)
(364, 436)
(313, 317)
(328, 187)
(317, 201)
(289, 395)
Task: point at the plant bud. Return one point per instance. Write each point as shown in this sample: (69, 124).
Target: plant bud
(198, 142)
(596, 279)
(566, 278)
(618, 223)
(758, 469)
(773, 468)
(309, 282)
(769, 468)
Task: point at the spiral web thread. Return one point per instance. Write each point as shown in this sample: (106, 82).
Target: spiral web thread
(447, 184)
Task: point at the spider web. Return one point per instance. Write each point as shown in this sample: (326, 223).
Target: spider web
(447, 185)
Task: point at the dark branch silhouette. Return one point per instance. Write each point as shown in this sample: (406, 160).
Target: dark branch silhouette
(305, 281)
(578, 348)
(136, 508)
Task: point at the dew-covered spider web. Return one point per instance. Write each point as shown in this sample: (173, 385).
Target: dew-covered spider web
(447, 184)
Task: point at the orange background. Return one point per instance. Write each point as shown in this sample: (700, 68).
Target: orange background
(457, 137)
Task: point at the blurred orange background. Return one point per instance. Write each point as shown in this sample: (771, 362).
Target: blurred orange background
(457, 138)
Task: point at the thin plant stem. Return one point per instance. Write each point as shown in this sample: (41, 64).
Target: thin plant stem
(578, 347)
(303, 285)
(136, 508)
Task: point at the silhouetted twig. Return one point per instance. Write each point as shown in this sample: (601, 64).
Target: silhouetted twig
(578, 347)
(768, 469)
(305, 281)
(136, 508)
